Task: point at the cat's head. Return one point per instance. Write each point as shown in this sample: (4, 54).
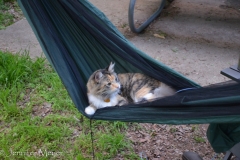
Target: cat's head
(104, 82)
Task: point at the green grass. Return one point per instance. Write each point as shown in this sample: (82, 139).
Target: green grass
(199, 139)
(197, 136)
(6, 17)
(27, 86)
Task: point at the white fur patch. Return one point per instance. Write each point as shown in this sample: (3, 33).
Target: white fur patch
(164, 90)
(148, 96)
(90, 110)
(99, 103)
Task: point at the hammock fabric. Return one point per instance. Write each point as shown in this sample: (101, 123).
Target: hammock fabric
(78, 39)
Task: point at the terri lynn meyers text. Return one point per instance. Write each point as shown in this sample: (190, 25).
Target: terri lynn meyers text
(39, 153)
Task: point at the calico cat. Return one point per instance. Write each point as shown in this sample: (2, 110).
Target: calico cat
(106, 88)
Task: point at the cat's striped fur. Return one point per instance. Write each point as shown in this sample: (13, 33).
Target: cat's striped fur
(106, 88)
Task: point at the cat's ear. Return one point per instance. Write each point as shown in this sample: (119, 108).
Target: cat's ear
(98, 76)
(110, 68)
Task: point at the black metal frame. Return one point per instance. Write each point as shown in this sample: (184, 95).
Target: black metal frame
(147, 22)
(239, 63)
(233, 72)
(233, 151)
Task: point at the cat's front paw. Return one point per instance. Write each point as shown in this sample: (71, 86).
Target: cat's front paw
(90, 110)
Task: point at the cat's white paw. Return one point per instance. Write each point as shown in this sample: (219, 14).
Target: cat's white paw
(148, 96)
(90, 110)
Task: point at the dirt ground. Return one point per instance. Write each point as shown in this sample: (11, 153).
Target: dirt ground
(197, 38)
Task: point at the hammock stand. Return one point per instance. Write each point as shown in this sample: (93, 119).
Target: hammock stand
(147, 22)
(78, 39)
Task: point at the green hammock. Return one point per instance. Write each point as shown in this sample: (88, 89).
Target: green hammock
(78, 39)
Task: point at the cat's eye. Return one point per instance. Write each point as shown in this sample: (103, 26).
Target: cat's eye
(109, 84)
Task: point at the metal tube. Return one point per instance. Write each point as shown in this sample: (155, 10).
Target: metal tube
(238, 64)
(147, 22)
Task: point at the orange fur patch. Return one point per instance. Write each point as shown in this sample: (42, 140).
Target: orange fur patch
(115, 85)
(107, 100)
(142, 92)
(111, 78)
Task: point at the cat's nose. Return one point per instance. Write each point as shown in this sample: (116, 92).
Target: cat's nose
(116, 85)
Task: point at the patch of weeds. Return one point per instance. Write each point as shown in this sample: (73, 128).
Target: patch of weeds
(194, 128)
(18, 69)
(50, 89)
(124, 25)
(15, 72)
(111, 144)
(6, 18)
(9, 12)
(30, 85)
(136, 126)
(199, 139)
(196, 134)
(27, 137)
(107, 141)
(173, 130)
